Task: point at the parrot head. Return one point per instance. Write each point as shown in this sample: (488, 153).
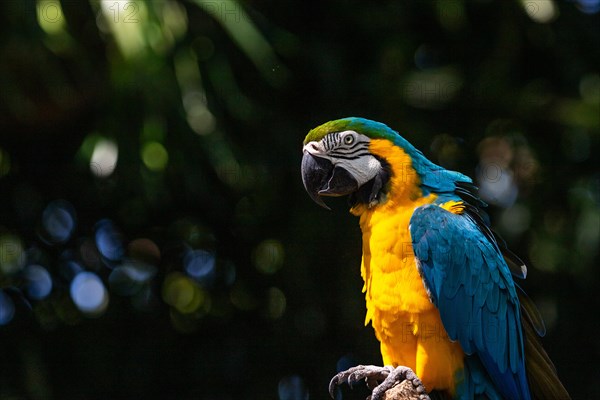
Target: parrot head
(371, 163)
(338, 160)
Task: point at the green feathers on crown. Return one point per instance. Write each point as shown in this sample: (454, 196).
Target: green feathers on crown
(367, 127)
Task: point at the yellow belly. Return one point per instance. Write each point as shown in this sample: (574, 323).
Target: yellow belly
(419, 341)
(406, 323)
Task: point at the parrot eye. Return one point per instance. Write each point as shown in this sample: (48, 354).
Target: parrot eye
(348, 139)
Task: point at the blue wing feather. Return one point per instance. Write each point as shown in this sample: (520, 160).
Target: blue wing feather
(471, 285)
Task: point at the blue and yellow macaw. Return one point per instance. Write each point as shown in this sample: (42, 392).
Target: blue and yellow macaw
(438, 282)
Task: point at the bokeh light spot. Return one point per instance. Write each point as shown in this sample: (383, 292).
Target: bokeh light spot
(541, 11)
(127, 21)
(109, 240)
(496, 184)
(175, 19)
(268, 256)
(589, 88)
(128, 279)
(200, 265)
(516, 219)
(140, 272)
(50, 16)
(292, 388)
(144, 250)
(104, 158)
(7, 308)
(58, 220)
(154, 156)
(12, 256)
(276, 303)
(89, 294)
(431, 88)
(182, 293)
(39, 282)
(588, 6)
(201, 120)
(546, 254)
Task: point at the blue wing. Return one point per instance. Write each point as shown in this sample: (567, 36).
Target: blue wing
(471, 285)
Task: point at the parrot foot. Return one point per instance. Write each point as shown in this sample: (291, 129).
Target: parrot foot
(379, 380)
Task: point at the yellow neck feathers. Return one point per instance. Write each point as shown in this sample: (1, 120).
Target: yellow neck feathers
(404, 182)
(388, 260)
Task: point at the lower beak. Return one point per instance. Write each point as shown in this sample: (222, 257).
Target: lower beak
(322, 178)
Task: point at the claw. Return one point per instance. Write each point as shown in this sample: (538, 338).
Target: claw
(371, 374)
(396, 376)
(378, 379)
(333, 383)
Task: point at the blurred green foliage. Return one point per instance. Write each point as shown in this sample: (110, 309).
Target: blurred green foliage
(151, 149)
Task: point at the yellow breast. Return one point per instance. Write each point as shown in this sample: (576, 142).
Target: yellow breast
(392, 281)
(406, 322)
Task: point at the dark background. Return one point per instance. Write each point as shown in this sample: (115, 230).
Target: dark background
(205, 106)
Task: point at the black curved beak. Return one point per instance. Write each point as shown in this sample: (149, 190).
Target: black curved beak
(322, 178)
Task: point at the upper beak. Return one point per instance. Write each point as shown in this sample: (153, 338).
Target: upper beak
(322, 178)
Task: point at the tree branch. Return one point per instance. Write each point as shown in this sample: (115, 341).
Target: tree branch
(402, 391)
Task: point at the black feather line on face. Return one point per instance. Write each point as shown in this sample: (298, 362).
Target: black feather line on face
(375, 189)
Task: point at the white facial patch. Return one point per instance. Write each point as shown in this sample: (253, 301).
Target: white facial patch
(349, 150)
(363, 169)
